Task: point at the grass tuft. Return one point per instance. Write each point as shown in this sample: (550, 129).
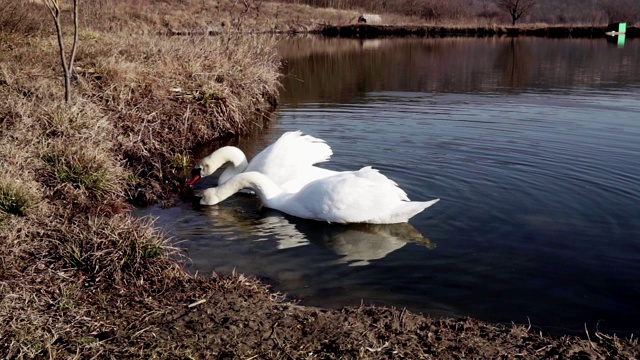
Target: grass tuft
(73, 254)
(118, 250)
(180, 162)
(80, 172)
(13, 200)
(64, 301)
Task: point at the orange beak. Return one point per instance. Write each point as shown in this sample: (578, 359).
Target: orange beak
(195, 176)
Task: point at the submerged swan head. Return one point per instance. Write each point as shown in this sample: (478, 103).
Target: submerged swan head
(218, 158)
(261, 184)
(210, 197)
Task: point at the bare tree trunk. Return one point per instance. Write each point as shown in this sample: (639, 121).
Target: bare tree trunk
(54, 8)
(55, 12)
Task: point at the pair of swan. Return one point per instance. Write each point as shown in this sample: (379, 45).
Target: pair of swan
(285, 178)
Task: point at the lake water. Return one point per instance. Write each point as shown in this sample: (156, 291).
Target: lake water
(532, 145)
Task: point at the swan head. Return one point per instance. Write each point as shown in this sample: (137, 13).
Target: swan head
(209, 197)
(218, 158)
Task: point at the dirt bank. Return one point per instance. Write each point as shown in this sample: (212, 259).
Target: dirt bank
(373, 31)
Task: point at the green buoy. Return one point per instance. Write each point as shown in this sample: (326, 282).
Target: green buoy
(618, 31)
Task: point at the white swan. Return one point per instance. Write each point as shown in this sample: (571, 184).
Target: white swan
(363, 196)
(288, 162)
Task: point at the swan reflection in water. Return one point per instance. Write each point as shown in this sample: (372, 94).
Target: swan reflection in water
(356, 244)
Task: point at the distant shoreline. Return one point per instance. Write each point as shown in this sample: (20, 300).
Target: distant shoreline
(374, 31)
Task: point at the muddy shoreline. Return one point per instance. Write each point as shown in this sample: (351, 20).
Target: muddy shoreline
(375, 31)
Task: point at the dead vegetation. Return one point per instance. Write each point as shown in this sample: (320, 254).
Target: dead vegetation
(494, 12)
(80, 278)
(221, 17)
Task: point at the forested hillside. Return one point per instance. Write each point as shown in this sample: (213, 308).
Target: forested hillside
(495, 11)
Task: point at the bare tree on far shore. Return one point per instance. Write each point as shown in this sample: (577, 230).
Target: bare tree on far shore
(516, 8)
(622, 10)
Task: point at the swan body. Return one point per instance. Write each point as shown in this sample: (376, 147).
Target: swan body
(363, 196)
(288, 162)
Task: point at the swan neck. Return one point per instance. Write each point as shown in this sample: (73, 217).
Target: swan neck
(238, 163)
(238, 159)
(264, 187)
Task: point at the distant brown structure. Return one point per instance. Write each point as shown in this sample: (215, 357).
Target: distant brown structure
(369, 19)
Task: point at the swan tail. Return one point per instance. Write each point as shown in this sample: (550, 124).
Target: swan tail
(410, 209)
(377, 177)
(316, 149)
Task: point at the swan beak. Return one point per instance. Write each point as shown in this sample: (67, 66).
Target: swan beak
(195, 176)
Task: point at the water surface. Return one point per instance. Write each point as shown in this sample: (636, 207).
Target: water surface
(532, 145)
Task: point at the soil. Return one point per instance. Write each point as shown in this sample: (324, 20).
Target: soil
(236, 317)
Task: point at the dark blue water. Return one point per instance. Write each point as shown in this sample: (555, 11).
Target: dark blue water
(536, 162)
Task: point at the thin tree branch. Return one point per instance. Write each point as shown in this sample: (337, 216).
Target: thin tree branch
(54, 8)
(51, 5)
(75, 36)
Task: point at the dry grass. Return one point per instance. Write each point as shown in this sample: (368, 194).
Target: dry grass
(152, 97)
(117, 251)
(56, 275)
(68, 174)
(61, 213)
(168, 94)
(18, 17)
(162, 94)
(202, 17)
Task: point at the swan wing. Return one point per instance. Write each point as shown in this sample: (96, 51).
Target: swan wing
(303, 178)
(291, 157)
(375, 176)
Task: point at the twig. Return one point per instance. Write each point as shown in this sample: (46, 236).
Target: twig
(378, 349)
(543, 348)
(196, 303)
(588, 337)
(140, 332)
(273, 329)
(96, 356)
